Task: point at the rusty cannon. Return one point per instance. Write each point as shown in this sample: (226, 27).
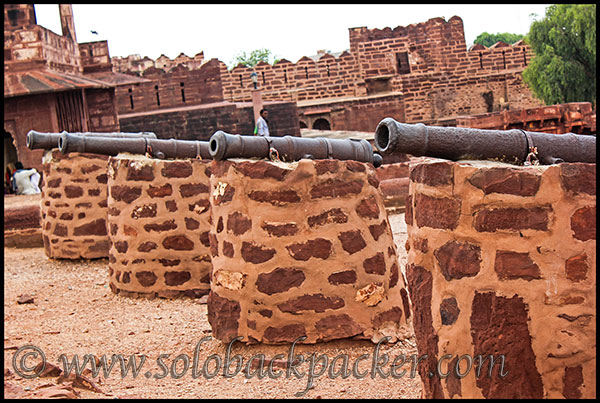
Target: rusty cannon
(514, 146)
(153, 147)
(288, 148)
(47, 141)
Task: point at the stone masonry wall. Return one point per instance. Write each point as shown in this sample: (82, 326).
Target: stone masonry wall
(502, 260)
(302, 249)
(74, 205)
(158, 221)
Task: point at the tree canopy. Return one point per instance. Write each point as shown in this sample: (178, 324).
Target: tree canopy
(254, 57)
(564, 66)
(488, 40)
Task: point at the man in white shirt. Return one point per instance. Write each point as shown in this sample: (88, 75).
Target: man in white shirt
(262, 127)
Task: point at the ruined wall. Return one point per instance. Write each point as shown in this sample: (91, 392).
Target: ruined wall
(74, 205)
(328, 77)
(201, 122)
(137, 64)
(573, 117)
(302, 249)
(102, 114)
(176, 88)
(158, 221)
(95, 56)
(502, 260)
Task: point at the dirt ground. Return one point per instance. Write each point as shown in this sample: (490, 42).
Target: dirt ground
(74, 313)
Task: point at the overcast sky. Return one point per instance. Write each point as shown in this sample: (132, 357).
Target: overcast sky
(289, 31)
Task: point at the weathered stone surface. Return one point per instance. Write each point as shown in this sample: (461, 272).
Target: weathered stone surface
(576, 268)
(86, 169)
(121, 246)
(408, 212)
(506, 180)
(436, 212)
(191, 224)
(147, 246)
(284, 334)
(578, 177)
(126, 194)
(342, 277)
(171, 206)
(377, 230)
(279, 280)
(175, 278)
(147, 210)
(177, 169)
(375, 264)
(73, 191)
(315, 302)
(368, 208)
(213, 243)
(511, 265)
(146, 278)
(371, 294)
(405, 303)
(432, 174)
(420, 286)
(324, 166)
(572, 381)
(583, 223)
(317, 248)
(335, 215)
(421, 244)
(228, 249)
(96, 227)
(355, 166)
(499, 324)
(267, 313)
(336, 188)
(135, 172)
(103, 178)
(178, 242)
(238, 224)
(393, 315)
(280, 230)
(200, 206)
(232, 280)
(449, 311)
(164, 226)
(256, 254)
(453, 383)
(192, 189)
(160, 191)
(261, 169)
(352, 241)
(337, 327)
(276, 197)
(458, 259)
(394, 275)
(509, 218)
(223, 316)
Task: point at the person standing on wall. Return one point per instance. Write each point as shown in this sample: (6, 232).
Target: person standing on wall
(262, 124)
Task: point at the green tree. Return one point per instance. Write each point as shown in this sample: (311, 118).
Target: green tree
(564, 66)
(255, 57)
(488, 40)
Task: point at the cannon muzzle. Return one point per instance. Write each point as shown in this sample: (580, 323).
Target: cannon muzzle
(456, 143)
(288, 148)
(47, 141)
(158, 148)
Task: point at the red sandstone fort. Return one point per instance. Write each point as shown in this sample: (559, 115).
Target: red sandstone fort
(419, 73)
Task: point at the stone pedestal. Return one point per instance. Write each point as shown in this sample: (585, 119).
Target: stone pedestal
(73, 205)
(158, 221)
(502, 261)
(302, 249)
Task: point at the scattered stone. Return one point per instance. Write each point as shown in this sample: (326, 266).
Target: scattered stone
(13, 391)
(49, 370)
(25, 299)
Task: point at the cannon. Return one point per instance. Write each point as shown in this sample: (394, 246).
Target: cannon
(157, 148)
(514, 146)
(47, 141)
(288, 148)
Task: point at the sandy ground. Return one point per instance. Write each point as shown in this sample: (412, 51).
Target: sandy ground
(75, 313)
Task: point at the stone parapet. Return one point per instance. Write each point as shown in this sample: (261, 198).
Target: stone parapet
(158, 222)
(502, 261)
(73, 205)
(302, 249)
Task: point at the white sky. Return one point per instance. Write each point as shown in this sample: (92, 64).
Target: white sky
(289, 31)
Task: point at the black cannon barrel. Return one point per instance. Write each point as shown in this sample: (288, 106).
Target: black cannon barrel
(159, 148)
(47, 141)
(224, 145)
(455, 143)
